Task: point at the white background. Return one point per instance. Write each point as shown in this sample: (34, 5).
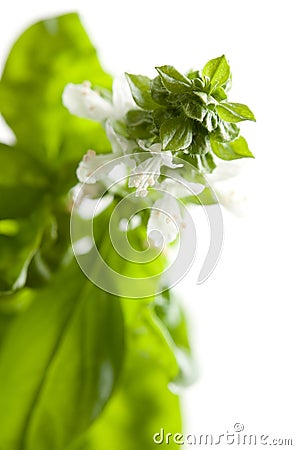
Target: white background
(243, 317)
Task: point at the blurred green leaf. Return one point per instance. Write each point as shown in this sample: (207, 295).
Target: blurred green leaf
(58, 363)
(142, 403)
(44, 59)
(18, 249)
(23, 183)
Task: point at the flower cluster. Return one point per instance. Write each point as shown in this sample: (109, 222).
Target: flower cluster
(173, 115)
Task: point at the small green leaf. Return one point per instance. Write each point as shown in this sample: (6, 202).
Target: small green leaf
(160, 115)
(225, 132)
(234, 112)
(141, 91)
(203, 96)
(217, 70)
(159, 93)
(219, 94)
(173, 80)
(140, 124)
(201, 142)
(176, 134)
(210, 121)
(194, 110)
(232, 150)
(196, 74)
(208, 162)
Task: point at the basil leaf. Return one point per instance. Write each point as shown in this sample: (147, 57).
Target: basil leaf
(176, 134)
(208, 162)
(140, 124)
(18, 248)
(211, 121)
(173, 80)
(159, 93)
(194, 110)
(234, 112)
(232, 150)
(219, 94)
(141, 91)
(142, 394)
(225, 132)
(31, 90)
(217, 70)
(63, 355)
(201, 142)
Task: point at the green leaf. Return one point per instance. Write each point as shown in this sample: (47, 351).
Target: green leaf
(173, 80)
(232, 150)
(140, 124)
(194, 110)
(159, 93)
(142, 403)
(219, 94)
(176, 134)
(31, 90)
(18, 249)
(211, 121)
(234, 112)
(23, 183)
(141, 91)
(225, 132)
(217, 70)
(160, 115)
(208, 162)
(174, 325)
(58, 364)
(201, 141)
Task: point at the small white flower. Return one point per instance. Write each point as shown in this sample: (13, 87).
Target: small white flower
(165, 221)
(178, 186)
(86, 172)
(82, 101)
(146, 174)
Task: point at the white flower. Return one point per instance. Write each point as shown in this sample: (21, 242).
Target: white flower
(86, 172)
(82, 101)
(146, 174)
(166, 220)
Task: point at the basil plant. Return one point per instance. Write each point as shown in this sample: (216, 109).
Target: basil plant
(94, 197)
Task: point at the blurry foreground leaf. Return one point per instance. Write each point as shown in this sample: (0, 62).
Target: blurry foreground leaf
(58, 364)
